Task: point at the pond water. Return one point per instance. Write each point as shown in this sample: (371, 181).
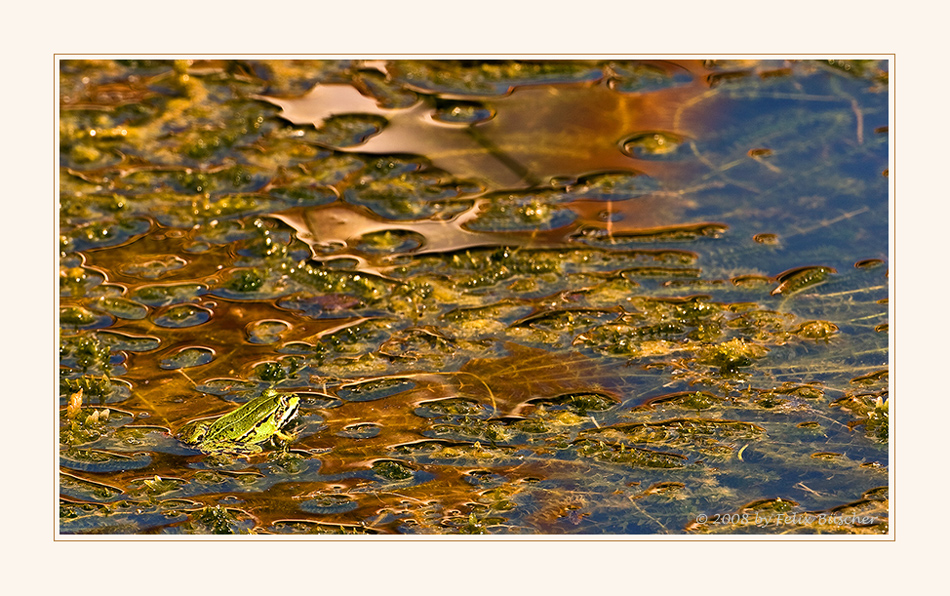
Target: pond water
(612, 297)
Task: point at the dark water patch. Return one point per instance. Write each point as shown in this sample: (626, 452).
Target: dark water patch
(374, 390)
(360, 430)
(661, 272)
(394, 202)
(74, 487)
(77, 317)
(751, 281)
(121, 308)
(187, 358)
(156, 485)
(520, 217)
(691, 400)
(79, 281)
(133, 439)
(226, 386)
(635, 457)
(444, 450)
(184, 315)
(387, 92)
(503, 312)
(96, 389)
(581, 403)
(503, 432)
(567, 319)
(217, 233)
(349, 130)
(680, 430)
(103, 234)
(243, 284)
(312, 527)
(462, 113)
(214, 520)
(329, 504)
(122, 517)
(816, 330)
(653, 145)
(483, 478)
(868, 264)
(393, 470)
(685, 233)
(285, 368)
(644, 77)
(770, 239)
(453, 407)
(154, 267)
(796, 280)
(216, 182)
(266, 332)
(85, 352)
(310, 196)
(390, 241)
(321, 305)
(164, 295)
(88, 460)
(488, 78)
(614, 186)
(320, 401)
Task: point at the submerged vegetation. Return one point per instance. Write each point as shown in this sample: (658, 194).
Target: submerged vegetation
(429, 297)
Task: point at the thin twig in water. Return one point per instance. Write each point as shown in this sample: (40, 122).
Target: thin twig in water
(830, 222)
(860, 117)
(802, 486)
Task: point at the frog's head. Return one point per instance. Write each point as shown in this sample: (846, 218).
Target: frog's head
(194, 432)
(289, 405)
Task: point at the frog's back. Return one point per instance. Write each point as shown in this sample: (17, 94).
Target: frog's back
(242, 419)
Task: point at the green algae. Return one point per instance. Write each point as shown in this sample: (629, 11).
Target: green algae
(85, 352)
(676, 370)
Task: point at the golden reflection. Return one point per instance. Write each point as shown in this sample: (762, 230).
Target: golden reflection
(537, 132)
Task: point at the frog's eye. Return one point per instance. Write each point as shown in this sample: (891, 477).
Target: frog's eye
(199, 433)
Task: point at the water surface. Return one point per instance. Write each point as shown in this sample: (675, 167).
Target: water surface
(541, 297)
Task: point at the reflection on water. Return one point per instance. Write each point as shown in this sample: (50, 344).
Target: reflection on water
(581, 125)
(512, 297)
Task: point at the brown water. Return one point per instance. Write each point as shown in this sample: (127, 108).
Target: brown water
(599, 297)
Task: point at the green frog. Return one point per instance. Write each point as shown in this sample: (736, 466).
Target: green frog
(244, 429)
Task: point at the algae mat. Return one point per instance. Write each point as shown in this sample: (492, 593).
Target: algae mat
(612, 297)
